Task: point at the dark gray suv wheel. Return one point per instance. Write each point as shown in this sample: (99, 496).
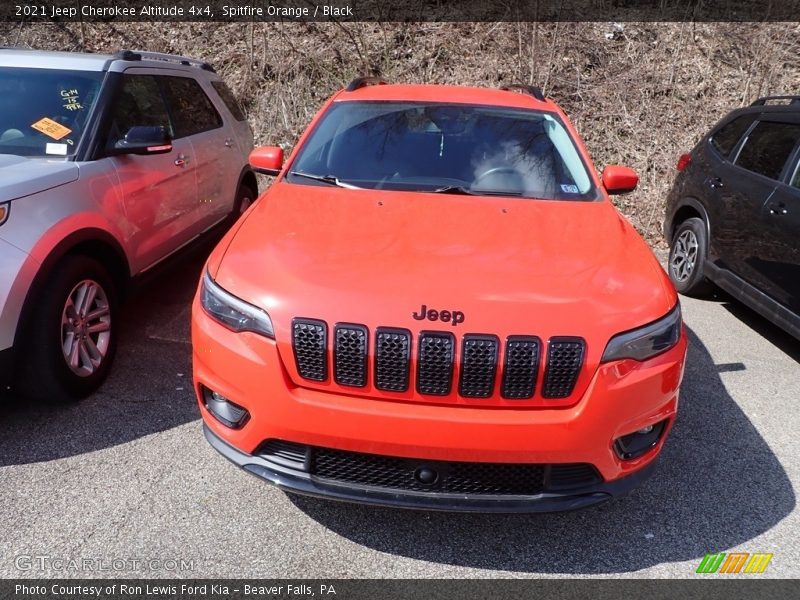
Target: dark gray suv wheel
(687, 256)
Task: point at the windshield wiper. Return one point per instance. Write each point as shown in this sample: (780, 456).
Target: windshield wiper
(457, 189)
(326, 179)
(453, 189)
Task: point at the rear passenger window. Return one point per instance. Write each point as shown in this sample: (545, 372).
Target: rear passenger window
(192, 111)
(768, 147)
(725, 140)
(229, 99)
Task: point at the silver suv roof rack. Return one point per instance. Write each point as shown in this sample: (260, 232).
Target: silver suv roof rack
(173, 58)
(765, 99)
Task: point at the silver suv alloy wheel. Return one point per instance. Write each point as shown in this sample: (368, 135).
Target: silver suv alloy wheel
(85, 328)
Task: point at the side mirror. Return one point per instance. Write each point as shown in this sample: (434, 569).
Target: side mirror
(267, 160)
(619, 180)
(142, 139)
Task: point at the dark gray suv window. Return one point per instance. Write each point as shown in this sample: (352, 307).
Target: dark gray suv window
(192, 111)
(768, 147)
(726, 138)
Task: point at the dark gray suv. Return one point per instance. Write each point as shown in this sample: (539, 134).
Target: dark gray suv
(733, 215)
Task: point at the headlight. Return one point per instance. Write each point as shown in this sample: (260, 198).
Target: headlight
(648, 341)
(230, 311)
(5, 208)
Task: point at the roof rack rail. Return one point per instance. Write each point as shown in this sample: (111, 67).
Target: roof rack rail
(360, 82)
(127, 55)
(765, 99)
(526, 89)
(173, 58)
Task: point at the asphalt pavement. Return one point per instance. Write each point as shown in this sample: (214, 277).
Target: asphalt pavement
(124, 484)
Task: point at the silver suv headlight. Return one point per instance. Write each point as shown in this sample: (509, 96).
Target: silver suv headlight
(228, 310)
(5, 208)
(648, 341)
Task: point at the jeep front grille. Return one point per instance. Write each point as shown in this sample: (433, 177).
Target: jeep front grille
(392, 359)
(310, 343)
(435, 363)
(521, 367)
(350, 355)
(564, 362)
(482, 360)
(478, 366)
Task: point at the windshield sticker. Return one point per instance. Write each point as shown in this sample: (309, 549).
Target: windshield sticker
(51, 129)
(71, 100)
(57, 149)
(569, 189)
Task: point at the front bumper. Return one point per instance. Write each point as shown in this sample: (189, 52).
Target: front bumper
(622, 397)
(291, 480)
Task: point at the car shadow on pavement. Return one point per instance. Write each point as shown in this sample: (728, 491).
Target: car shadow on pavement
(766, 329)
(149, 389)
(718, 485)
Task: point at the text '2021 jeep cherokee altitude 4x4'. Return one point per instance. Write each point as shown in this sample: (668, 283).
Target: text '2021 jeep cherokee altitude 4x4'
(108, 164)
(436, 305)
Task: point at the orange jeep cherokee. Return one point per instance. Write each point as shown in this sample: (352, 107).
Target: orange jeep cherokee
(436, 305)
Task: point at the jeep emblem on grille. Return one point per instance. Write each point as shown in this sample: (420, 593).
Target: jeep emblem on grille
(454, 317)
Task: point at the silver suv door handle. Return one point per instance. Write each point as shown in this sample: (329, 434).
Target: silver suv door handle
(181, 160)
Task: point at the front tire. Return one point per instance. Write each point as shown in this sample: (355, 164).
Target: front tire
(245, 196)
(687, 257)
(72, 336)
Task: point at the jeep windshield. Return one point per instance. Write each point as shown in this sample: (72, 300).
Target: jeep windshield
(43, 112)
(445, 148)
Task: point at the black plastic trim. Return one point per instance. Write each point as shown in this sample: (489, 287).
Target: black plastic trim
(478, 337)
(420, 340)
(775, 312)
(324, 325)
(6, 367)
(530, 339)
(360, 82)
(365, 366)
(526, 89)
(295, 481)
(410, 338)
(546, 393)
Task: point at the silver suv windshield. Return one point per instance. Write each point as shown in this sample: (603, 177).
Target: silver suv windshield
(43, 112)
(445, 148)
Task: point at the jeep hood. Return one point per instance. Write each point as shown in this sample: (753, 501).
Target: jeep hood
(510, 265)
(21, 176)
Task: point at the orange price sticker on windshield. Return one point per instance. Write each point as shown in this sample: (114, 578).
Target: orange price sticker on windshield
(51, 128)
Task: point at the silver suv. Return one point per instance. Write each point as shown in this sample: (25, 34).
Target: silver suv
(108, 165)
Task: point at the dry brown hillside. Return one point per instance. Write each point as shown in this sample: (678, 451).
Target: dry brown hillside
(640, 93)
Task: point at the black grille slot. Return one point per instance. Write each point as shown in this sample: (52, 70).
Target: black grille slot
(392, 359)
(564, 362)
(310, 342)
(355, 468)
(287, 454)
(350, 355)
(521, 367)
(435, 363)
(568, 476)
(478, 366)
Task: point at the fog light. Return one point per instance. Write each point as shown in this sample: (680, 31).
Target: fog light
(636, 444)
(226, 412)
